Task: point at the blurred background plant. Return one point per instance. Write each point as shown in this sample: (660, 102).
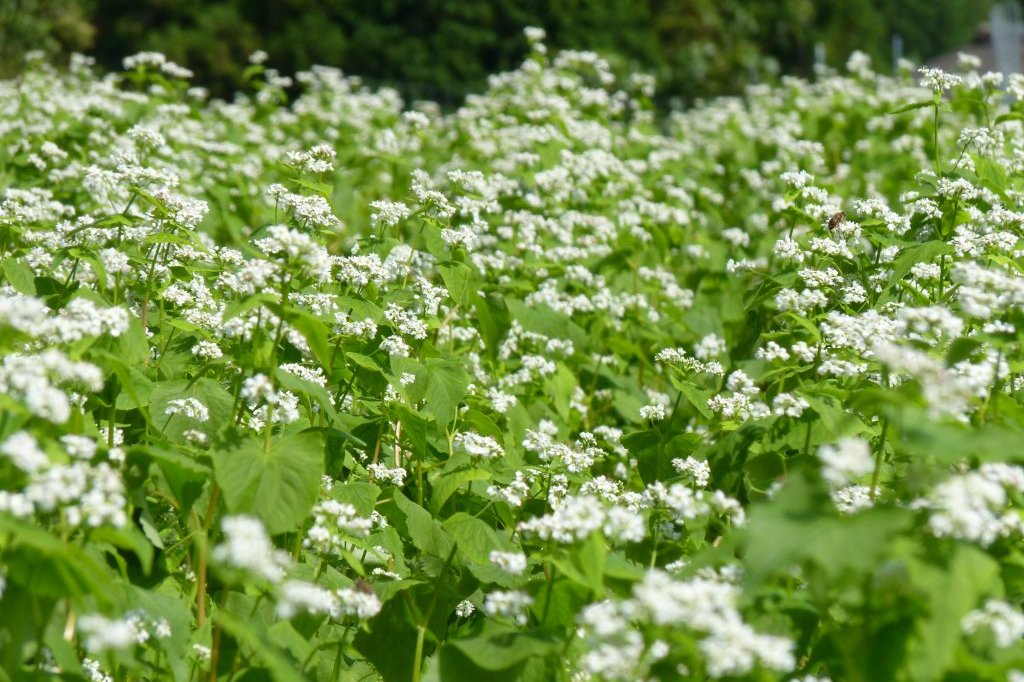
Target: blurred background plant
(443, 49)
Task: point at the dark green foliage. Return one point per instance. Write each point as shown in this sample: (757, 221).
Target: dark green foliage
(444, 49)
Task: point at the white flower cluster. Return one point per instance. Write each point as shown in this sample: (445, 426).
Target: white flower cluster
(975, 506)
(513, 563)
(393, 475)
(388, 213)
(83, 493)
(264, 400)
(706, 607)
(696, 470)
(189, 407)
(578, 457)
(578, 516)
(685, 505)
(335, 523)
(101, 633)
(510, 604)
(1002, 619)
(319, 159)
(34, 380)
(846, 461)
(296, 596)
(475, 445)
(246, 546)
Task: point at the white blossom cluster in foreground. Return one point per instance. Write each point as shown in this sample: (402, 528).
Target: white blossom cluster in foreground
(317, 384)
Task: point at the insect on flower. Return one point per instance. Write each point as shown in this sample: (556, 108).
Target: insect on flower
(837, 218)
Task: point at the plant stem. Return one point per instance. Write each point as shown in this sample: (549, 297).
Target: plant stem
(878, 459)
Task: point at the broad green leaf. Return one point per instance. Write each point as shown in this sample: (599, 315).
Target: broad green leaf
(799, 525)
(499, 648)
(584, 563)
(446, 386)
(446, 484)
(278, 484)
(456, 278)
(39, 562)
(207, 391)
(130, 538)
(291, 382)
(426, 533)
(19, 276)
(697, 397)
(258, 646)
(949, 592)
(476, 538)
(360, 494)
(184, 475)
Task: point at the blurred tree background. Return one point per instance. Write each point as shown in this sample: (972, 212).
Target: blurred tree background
(444, 49)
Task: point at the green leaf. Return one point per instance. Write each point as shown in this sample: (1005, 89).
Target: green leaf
(289, 381)
(388, 642)
(130, 538)
(247, 304)
(912, 106)
(493, 320)
(185, 476)
(364, 361)
(585, 563)
(207, 391)
(360, 494)
(135, 392)
(499, 648)
(257, 645)
(426, 533)
(446, 385)
(43, 565)
(961, 349)
(911, 256)
(697, 397)
(456, 278)
(1011, 116)
(476, 538)
(800, 524)
(445, 485)
(278, 484)
(132, 346)
(19, 276)
(950, 591)
(312, 329)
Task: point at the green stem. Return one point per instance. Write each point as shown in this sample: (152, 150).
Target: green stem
(878, 459)
(421, 627)
(421, 631)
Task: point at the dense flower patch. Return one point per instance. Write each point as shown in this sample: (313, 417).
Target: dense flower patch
(334, 388)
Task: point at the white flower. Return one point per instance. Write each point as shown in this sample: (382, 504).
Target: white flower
(1001, 618)
(101, 633)
(846, 461)
(388, 213)
(513, 563)
(510, 604)
(654, 412)
(696, 469)
(248, 547)
(189, 407)
(296, 596)
(479, 446)
(23, 450)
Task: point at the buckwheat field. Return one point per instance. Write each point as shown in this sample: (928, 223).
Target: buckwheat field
(321, 385)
